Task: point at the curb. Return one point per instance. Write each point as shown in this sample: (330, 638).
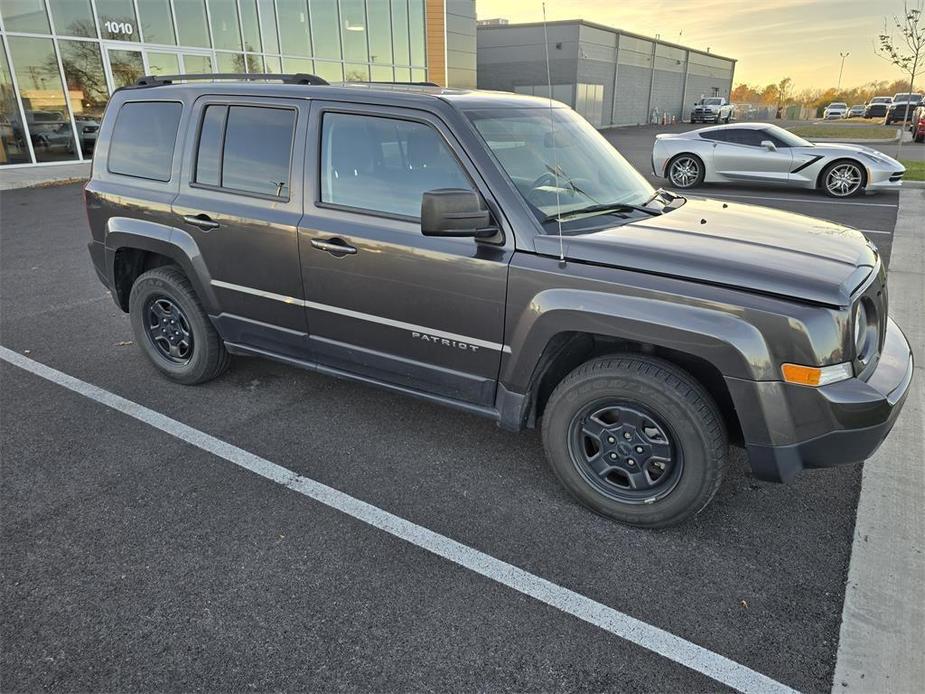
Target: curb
(913, 184)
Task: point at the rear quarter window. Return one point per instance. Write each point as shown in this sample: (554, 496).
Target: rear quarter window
(143, 139)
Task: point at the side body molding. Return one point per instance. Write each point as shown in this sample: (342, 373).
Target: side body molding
(174, 243)
(733, 345)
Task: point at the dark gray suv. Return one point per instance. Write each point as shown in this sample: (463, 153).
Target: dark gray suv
(492, 252)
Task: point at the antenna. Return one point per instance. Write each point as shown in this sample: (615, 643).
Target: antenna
(555, 145)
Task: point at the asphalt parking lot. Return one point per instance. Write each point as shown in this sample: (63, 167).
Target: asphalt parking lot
(132, 560)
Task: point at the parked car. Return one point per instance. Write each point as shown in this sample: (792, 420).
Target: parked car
(918, 124)
(837, 109)
(878, 106)
(494, 253)
(856, 111)
(87, 130)
(714, 109)
(764, 153)
(900, 111)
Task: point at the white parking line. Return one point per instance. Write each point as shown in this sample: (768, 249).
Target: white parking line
(690, 655)
(875, 231)
(811, 201)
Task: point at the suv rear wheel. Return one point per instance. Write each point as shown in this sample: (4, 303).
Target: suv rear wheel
(636, 439)
(172, 328)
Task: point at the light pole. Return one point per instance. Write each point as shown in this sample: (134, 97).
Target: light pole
(841, 70)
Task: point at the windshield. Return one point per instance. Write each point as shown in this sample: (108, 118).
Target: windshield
(908, 97)
(712, 102)
(838, 104)
(787, 137)
(590, 171)
(881, 100)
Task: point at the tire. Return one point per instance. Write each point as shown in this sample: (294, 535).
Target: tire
(165, 312)
(919, 138)
(689, 172)
(657, 402)
(857, 178)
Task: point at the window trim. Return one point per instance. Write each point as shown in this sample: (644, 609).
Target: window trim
(382, 214)
(176, 139)
(227, 104)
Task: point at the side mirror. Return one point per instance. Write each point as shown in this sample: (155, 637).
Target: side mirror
(455, 212)
(768, 145)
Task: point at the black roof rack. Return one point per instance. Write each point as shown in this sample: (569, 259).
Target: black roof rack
(296, 78)
(411, 84)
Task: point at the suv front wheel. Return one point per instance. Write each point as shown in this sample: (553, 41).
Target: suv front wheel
(172, 328)
(637, 439)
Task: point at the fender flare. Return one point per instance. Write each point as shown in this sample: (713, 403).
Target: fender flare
(171, 242)
(737, 348)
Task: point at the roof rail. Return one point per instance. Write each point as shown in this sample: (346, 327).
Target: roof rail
(411, 84)
(296, 78)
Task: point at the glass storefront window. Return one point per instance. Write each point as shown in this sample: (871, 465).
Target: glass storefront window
(25, 15)
(273, 65)
(325, 29)
(268, 25)
(13, 146)
(296, 65)
(43, 100)
(226, 34)
(156, 22)
(117, 20)
(332, 72)
(250, 27)
(380, 34)
(86, 89)
(196, 64)
(126, 66)
(416, 31)
(191, 23)
(400, 33)
(163, 63)
(380, 73)
(230, 62)
(293, 27)
(353, 30)
(356, 72)
(254, 63)
(73, 18)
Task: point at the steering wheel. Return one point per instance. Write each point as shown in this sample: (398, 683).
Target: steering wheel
(545, 179)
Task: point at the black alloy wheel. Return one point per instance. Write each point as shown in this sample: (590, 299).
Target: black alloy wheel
(168, 329)
(625, 452)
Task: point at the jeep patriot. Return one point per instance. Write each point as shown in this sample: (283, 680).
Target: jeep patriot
(492, 252)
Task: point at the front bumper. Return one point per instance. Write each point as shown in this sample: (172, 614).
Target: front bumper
(788, 428)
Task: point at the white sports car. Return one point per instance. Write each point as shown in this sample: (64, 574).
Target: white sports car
(764, 153)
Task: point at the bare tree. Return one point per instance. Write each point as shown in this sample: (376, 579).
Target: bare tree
(903, 45)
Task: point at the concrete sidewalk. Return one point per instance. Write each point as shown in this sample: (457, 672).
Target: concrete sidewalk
(29, 176)
(883, 621)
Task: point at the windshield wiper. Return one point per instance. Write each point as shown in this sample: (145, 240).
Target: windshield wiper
(604, 207)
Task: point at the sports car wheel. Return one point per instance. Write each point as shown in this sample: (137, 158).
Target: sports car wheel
(843, 179)
(685, 171)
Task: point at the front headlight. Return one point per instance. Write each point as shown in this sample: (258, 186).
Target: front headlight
(865, 329)
(873, 157)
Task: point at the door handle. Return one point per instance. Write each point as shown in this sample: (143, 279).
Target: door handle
(335, 246)
(200, 220)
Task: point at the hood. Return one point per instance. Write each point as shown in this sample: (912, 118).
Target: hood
(740, 246)
(838, 148)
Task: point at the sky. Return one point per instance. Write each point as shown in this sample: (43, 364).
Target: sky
(771, 39)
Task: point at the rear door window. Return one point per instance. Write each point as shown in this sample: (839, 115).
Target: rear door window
(246, 149)
(143, 139)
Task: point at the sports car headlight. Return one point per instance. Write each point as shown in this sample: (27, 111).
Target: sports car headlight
(873, 157)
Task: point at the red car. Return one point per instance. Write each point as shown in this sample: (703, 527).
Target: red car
(918, 124)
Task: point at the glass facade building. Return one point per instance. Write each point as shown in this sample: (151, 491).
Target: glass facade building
(61, 59)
